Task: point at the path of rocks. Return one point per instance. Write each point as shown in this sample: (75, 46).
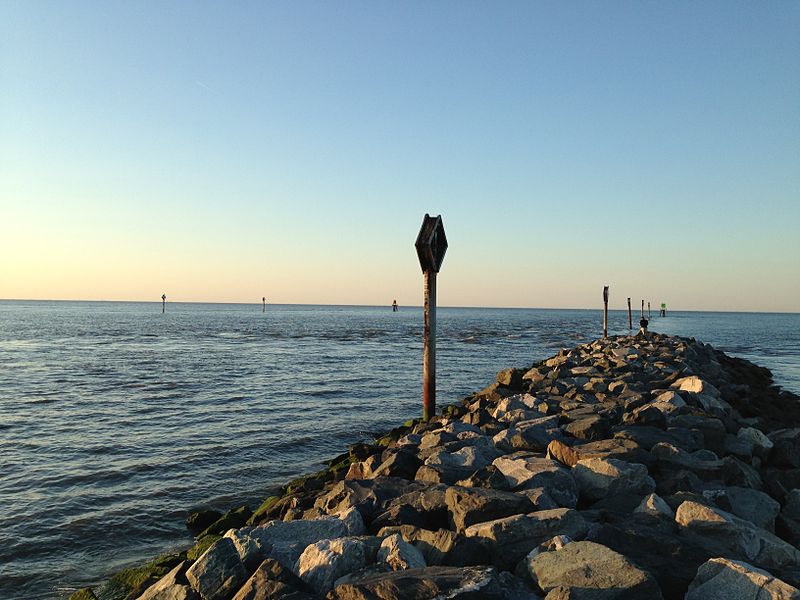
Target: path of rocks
(626, 468)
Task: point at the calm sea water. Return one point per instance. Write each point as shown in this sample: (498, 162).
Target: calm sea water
(116, 419)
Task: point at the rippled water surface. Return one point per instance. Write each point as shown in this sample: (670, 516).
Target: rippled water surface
(115, 419)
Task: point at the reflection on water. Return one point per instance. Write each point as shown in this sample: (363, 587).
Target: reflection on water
(114, 418)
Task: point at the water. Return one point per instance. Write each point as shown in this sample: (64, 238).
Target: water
(116, 419)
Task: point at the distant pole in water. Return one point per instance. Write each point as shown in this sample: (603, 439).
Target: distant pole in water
(264, 304)
(163, 303)
(394, 306)
(630, 318)
(605, 311)
(648, 311)
(663, 310)
(643, 309)
(431, 245)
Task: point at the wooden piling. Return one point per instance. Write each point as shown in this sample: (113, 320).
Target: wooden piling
(163, 303)
(263, 304)
(605, 311)
(630, 317)
(649, 316)
(642, 309)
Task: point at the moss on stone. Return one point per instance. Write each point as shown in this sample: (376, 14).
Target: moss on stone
(83, 594)
(203, 544)
(130, 583)
(262, 510)
(233, 519)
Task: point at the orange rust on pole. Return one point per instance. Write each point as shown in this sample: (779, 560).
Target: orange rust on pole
(431, 245)
(429, 360)
(630, 317)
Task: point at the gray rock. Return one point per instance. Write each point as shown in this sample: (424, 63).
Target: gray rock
(751, 505)
(523, 471)
(723, 532)
(399, 554)
(219, 571)
(598, 478)
(451, 583)
(370, 496)
(511, 538)
(271, 581)
(724, 579)
(285, 540)
(171, 587)
(590, 571)
(475, 505)
(655, 506)
(325, 561)
(786, 447)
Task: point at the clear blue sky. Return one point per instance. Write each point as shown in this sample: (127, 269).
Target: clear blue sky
(225, 151)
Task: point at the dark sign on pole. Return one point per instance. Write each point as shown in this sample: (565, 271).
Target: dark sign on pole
(431, 245)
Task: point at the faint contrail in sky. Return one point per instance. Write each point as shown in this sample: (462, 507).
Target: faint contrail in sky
(204, 86)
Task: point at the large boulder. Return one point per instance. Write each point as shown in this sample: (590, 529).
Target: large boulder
(272, 581)
(219, 572)
(325, 561)
(399, 554)
(511, 538)
(173, 586)
(590, 571)
(726, 534)
(598, 478)
(475, 505)
(369, 496)
(754, 506)
(786, 447)
(285, 540)
(724, 579)
(524, 471)
(453, 583)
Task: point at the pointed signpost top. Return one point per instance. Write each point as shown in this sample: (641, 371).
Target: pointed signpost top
(431, 243)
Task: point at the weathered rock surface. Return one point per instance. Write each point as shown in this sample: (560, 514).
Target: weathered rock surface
(723, 579)
(590, 571)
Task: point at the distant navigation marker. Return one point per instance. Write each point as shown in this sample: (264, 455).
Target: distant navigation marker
(663, 310)
(630, 319)
(163, 303)
(264, 304)
(605, 311)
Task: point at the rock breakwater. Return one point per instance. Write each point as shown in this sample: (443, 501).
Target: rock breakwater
(625, 468)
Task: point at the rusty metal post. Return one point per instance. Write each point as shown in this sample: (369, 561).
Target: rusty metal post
(605, 311)
(648, 311)
(163, 303)
(429, 359)
(431, 246)
(263, 304)
(642, 309)
(630, 317)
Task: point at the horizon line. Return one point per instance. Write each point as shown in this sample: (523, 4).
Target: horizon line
(415, 306)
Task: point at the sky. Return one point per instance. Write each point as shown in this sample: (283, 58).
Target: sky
(221, 152)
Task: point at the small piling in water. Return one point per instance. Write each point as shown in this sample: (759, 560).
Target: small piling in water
(263, 304)
(163, 303)
(648, 311)
(605, 311)
(630, 317)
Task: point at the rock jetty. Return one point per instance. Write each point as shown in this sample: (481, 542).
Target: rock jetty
(631, 467)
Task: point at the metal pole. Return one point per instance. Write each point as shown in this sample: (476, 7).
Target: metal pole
(429, 360)
(605, 311)
(264, 304)
(163, 303)
(630, 317)
(642, 309)
(648, 311)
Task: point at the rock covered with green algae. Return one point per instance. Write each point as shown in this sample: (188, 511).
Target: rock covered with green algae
(625, 450)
